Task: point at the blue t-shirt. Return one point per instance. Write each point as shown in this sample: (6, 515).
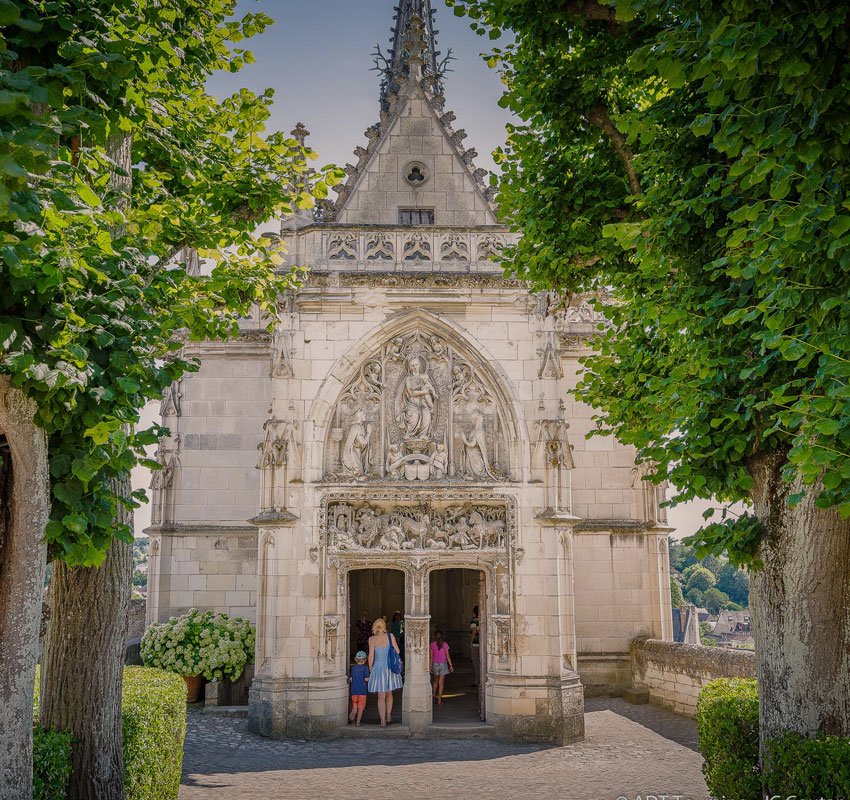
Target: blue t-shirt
(359, 673)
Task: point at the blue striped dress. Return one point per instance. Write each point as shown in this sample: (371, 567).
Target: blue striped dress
(382, 678)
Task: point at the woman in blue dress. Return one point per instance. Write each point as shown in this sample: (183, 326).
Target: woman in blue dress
(382, 680)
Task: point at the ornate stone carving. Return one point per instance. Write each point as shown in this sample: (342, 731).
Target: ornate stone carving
(454, 247)
(282, 350)
(550, 357)
(417, 411)
(417, 247)
(554, 454)
(171, 396)
(502, 635)
(476, 280)
(424, 526)
(280, 462)
(331, 641)
(489, 246)
(380, 247)
(343, 246)
(162, 480)
(653, 495)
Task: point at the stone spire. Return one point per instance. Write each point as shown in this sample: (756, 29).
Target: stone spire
(419, 15)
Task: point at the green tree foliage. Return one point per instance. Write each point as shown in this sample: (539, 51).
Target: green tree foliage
(735, 582)
(682, 555)
(676, 596)
(697, 579)
(691, 158)
(94, 299)
(714, 600)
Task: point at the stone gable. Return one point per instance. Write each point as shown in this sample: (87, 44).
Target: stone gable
(415, 137)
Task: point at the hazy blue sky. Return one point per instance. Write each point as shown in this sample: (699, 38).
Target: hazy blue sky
(317, 58)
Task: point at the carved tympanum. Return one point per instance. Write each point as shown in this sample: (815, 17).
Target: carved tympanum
(417, 411)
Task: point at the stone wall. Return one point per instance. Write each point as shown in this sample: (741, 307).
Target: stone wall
(675, 673)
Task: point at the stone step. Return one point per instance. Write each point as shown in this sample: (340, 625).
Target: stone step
(461, 730)
(638, 695)
(394, 731)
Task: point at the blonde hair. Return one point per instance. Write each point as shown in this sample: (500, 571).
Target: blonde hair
(379, 626)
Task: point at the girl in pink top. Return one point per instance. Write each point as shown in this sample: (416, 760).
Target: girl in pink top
(439, 665)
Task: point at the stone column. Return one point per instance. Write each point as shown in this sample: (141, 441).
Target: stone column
(417, 711)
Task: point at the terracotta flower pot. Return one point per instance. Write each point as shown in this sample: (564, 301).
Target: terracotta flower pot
(193, 687)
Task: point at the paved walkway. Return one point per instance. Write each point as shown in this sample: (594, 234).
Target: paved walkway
(630, 752)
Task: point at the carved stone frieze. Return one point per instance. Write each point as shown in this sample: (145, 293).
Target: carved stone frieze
(490, 246)
(417, 410)
(428, 526)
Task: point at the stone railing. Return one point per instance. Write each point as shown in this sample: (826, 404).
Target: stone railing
(675, 673)
(383, 247)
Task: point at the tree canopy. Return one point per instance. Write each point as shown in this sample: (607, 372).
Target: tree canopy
(689, 161)
(95, 296)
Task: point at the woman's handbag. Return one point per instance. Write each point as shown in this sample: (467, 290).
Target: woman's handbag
(393, 659)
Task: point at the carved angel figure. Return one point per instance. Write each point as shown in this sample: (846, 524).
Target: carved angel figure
(417, 400)
(355, 452)
(475, 463)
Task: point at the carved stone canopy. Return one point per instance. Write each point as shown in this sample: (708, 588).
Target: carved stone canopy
(418, 410)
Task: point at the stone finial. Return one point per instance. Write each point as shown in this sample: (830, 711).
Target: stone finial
(300, 133)
(414, 43)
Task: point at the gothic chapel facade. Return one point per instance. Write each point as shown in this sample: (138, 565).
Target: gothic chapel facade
(406, 440)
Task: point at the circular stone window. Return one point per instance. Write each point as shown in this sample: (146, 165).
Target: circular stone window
(416, 174)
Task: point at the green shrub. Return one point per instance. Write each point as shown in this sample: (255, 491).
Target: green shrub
(728, 723)
(154, 716)
(818, 767)
(51, 759)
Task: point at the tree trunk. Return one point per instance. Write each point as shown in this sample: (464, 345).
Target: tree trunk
(83, 665)
(87, 637)
(24, 511)
(801, 609)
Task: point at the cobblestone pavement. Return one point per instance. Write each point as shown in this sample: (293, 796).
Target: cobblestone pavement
(629, 751)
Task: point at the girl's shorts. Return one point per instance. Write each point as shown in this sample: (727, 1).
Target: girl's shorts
(439, 668)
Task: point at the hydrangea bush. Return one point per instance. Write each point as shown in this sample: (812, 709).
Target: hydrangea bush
(216, 646)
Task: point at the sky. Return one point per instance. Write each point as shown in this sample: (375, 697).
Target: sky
(318, 55)
(317, 58)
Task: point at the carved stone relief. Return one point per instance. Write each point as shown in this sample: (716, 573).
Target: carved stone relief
(554, 454)
(343, 247)
(454, 247)
(162, 480)
(489, 246)
(550, 357)
(170, 405)
(417, 411)
(417, 247)
(279, 462)
(380, 247)
(416, 527)
(653, 495)
(503, 644)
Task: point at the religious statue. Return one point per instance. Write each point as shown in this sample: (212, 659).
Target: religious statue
(417, 400)
(475, 463)
(355, 452)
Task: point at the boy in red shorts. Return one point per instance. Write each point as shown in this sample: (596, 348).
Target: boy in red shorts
(359, 677)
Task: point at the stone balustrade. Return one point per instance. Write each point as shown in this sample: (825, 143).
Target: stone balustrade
(675, 673)
(383, 247)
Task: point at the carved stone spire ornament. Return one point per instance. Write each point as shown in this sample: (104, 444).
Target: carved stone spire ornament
(279, 463)
(554, 454)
